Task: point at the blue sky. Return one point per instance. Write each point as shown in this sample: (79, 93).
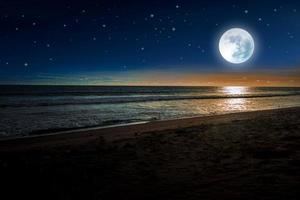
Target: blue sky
(121, 38)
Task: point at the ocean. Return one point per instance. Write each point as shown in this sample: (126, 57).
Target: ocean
(29, 110)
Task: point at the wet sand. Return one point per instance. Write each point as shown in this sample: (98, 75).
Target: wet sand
(251, 155)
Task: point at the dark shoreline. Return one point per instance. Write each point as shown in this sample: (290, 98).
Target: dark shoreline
(250, 155)
(131, 128)
(112, 124)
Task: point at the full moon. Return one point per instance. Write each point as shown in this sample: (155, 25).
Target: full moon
(236, 45)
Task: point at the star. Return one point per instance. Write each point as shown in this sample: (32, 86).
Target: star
(33, 23)
(290, 35)
(275, 10)
(151, 15)
(173, 29)
(246, 11)
(47, 45)
(142, 48)
(103, 25)
(177, 6)
(26, 64)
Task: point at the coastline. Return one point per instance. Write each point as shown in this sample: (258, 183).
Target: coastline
(249, 155)
(124, 131)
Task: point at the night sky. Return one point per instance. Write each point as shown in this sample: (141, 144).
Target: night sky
(134, 42)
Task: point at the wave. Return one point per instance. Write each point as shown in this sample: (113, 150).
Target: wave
(104, 124)
(58, 101)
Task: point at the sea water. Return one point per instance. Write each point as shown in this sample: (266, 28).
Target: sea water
(26, 110)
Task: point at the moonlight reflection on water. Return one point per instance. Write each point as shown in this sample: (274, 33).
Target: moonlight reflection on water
(235, 90)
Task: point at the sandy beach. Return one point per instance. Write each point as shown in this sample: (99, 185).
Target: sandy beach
(249, 155)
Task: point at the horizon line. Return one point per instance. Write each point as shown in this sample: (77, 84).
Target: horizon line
(94, 85)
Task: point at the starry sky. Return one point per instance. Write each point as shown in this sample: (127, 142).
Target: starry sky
(114, 42)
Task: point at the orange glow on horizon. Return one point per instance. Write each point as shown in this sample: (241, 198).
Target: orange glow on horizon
(218, 79)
